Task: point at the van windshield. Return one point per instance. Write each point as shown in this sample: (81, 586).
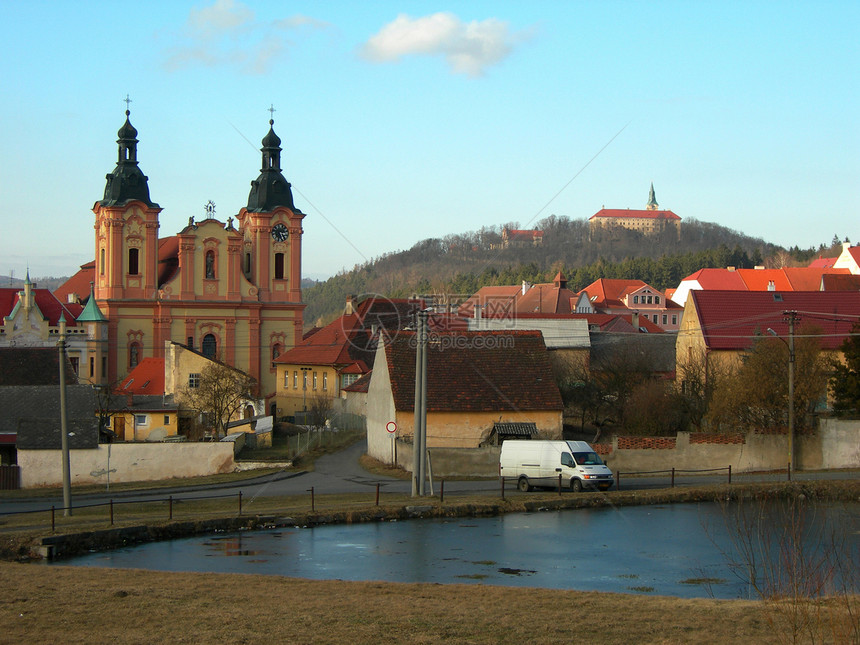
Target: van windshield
(587, 459)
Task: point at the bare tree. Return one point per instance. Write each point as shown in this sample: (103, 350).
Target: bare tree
(320, 406)
(221, 393)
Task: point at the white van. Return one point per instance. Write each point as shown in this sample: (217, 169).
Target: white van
(539, 463)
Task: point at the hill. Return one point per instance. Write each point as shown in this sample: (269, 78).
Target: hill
(461, 264)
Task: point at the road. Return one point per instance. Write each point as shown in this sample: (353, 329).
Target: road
(341, 473)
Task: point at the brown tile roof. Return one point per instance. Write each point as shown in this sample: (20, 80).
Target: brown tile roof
(476, 371)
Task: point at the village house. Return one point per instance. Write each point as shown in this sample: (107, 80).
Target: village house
(613, 296)
(475, 380)
(719, 326)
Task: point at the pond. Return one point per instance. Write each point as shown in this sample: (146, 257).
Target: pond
(684, 550)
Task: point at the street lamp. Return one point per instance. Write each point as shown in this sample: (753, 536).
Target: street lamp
(790, 345)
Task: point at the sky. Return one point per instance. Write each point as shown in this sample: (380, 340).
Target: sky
(402, 121)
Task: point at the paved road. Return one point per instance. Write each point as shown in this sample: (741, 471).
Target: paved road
(341, 473)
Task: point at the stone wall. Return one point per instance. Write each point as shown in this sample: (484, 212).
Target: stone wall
(836, 444)
(127, 462)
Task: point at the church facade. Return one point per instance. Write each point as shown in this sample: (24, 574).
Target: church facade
(230, 290)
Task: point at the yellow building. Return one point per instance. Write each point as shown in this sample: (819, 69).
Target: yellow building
(232, 292)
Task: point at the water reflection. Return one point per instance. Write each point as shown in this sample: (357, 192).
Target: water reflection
(662, 550)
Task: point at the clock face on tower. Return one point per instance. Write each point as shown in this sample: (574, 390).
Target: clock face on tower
(280, 233)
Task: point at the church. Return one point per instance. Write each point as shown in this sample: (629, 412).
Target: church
(231, 291)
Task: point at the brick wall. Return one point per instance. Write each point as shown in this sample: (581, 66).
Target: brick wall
(720, 439)
(646, 443)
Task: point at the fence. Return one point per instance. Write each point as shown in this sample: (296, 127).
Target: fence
(10, 477)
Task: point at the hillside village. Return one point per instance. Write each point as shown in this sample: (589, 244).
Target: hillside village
(196, 344)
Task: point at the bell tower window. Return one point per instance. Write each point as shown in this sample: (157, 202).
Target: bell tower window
(102, 262)
(133, 261)
(279, 266)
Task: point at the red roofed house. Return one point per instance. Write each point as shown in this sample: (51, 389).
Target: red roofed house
(849, 258)
(547, 298)
(474, 381)
(337, 355)
(514, 237)
(30, 317)
(649, 221)
(721, 325)
(758, 279)
(610, 296)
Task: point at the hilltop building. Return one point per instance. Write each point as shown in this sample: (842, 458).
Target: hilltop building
(650, 221)
(232, 292)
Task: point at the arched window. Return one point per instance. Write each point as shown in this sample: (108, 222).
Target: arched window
(209, 347)
(276, 351)
(133, 267)
(279, 266)
(102, 262)
(133, 355)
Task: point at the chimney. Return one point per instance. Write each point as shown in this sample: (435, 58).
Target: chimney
(771, 286)
(129, 399)
(526, 287)
(730, 268)
(349, 310)
(477, 314)
(634, 320)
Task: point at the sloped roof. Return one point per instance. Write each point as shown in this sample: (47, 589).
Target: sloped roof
(78, 284)
(476, 371)
(493, 300)
(608, 292)
(47, 303)
(730, 320)
(33, 366)
(823, 263)
(146, 378)
(840, 282)
(641, 214)
(360, 385)
(33, 413)
(340, 343)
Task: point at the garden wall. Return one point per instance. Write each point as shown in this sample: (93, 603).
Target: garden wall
(126, 462)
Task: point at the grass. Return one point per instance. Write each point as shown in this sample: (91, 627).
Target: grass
(79, 605)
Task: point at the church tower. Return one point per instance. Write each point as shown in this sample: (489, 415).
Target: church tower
(652, 200)
(272, 229)
(126, 228)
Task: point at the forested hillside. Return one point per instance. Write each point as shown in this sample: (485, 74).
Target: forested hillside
(461, 264)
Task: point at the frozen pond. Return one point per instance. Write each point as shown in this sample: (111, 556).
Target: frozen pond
(667, 550)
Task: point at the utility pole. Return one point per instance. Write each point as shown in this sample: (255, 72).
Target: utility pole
(420, 417)
(791, 318)
(64, 432)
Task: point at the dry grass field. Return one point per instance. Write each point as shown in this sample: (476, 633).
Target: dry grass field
(41, 604)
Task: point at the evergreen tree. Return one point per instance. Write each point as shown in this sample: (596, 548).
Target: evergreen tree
(845, 382)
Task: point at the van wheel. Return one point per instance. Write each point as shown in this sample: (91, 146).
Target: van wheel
(523, 484)
(576, 485)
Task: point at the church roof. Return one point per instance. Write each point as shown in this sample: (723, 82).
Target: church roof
(127, 182)
(271, 189)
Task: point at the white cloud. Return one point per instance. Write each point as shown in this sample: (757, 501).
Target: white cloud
(468, 48)
(226, 33)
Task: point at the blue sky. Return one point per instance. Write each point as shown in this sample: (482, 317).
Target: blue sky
(407, 120)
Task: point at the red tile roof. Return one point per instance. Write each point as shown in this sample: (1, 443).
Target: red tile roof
(146, 378)
(730, 320)
(78, 284)
(476, 371)
(46, 301)
(641, 214)
(823, 263)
